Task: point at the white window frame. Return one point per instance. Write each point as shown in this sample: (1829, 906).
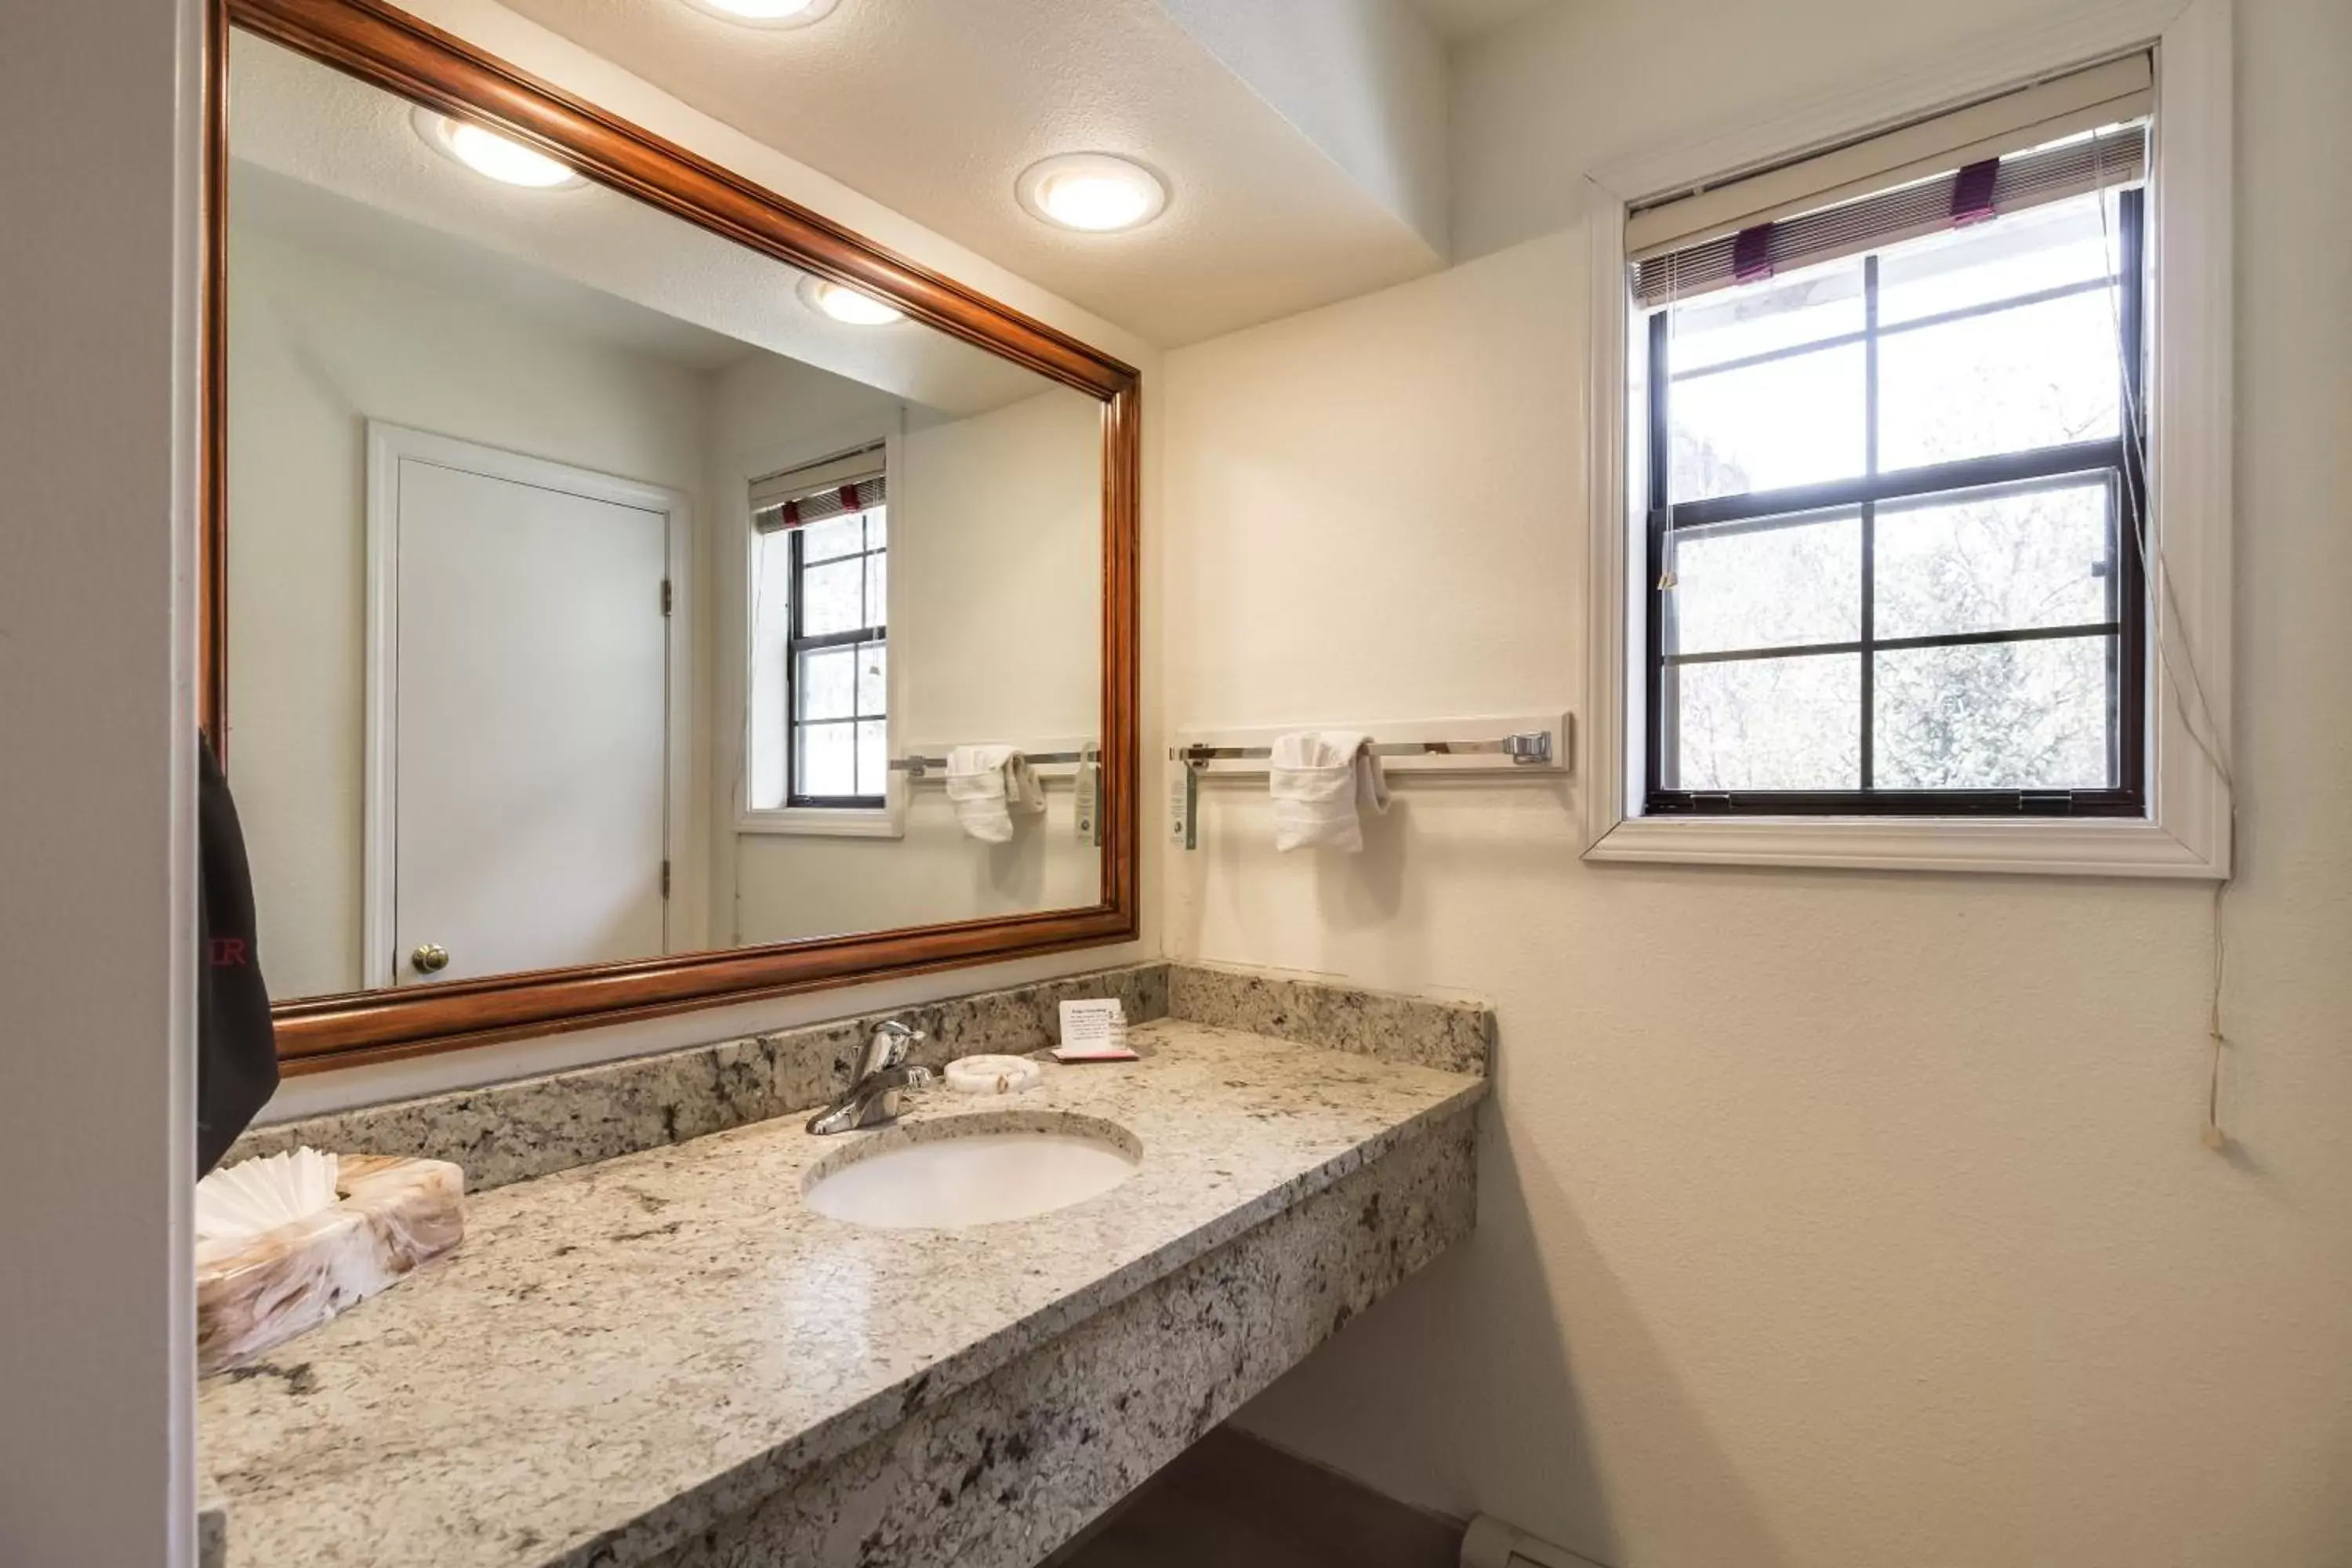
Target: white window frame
(889, 819)
(2188, 831)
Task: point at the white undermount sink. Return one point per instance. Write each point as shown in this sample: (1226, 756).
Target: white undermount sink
(971, 1170)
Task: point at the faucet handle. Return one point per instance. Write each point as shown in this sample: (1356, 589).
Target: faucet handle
(888, 1047)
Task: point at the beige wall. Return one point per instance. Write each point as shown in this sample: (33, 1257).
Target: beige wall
(319, 345)
(1828, 1220)
(97, 896)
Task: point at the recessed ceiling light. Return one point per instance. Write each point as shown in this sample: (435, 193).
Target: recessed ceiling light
(766, 12)
(1096, 192)
(843, 304)
(487, 153)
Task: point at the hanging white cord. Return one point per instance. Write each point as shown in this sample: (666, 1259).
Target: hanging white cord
(2164, 608)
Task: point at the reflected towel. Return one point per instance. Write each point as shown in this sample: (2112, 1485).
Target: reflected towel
(986, 784)
(1321, 782)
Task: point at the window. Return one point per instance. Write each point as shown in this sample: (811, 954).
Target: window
(839, 655)
(819, 730)
(1894, 510)
(1910, 529)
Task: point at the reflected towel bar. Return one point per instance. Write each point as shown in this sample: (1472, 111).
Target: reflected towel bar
(915, 767)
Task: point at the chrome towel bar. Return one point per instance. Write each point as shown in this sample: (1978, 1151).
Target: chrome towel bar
(1529, 748)
(915, 767)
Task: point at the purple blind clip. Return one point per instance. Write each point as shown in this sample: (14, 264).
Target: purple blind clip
(1972, 192)
(1751, 253)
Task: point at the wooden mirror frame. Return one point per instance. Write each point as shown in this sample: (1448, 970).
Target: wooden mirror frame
(415, 60)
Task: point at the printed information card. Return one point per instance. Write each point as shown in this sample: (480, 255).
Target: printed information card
(1094, 1031)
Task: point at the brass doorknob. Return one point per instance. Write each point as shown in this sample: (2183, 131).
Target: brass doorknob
(430, 958)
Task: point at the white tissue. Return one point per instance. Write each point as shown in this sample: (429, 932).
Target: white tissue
(262, 1194)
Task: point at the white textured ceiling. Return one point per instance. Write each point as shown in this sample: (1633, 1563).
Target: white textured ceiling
(1304, 144)
(334, 160)
(1459, 20)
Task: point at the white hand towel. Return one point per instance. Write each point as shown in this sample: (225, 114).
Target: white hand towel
(1321, 780)
(987, 784)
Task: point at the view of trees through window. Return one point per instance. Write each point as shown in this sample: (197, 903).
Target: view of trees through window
(1895, 501)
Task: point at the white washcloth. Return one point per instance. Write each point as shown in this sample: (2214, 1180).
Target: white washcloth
(987, 784)
(1320, 781)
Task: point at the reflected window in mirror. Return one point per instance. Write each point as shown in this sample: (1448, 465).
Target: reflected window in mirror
(840, 755)
(819, 648)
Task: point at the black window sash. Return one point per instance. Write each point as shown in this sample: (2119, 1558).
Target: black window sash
(797, 642)
(2120, 460)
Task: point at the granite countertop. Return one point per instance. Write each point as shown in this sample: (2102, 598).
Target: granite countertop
(622, 1354)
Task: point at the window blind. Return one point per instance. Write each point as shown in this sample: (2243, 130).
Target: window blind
(844, 483)
(2042, 144)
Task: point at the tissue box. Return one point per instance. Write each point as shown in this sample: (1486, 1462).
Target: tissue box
(258, 1292)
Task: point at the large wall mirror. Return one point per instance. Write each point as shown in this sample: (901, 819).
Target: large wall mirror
(626, 586)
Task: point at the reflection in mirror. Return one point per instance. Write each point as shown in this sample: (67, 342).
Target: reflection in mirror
(592, 579)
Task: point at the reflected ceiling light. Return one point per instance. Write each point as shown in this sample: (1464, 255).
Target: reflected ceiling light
(766, 12)
(497, 157)
(1096, 192)
(846, 304)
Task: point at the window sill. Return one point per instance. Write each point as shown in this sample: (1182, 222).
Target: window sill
(2045, 846)
(825, 822)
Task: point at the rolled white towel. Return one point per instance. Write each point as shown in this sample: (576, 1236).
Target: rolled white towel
(986, 784)
(1321, 781)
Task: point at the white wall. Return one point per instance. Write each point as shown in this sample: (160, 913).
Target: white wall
(320, 344)
(1826, 1219)
(97, 902)
(1001, 515)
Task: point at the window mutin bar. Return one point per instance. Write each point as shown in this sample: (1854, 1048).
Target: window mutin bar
(1899, 645)
(2076, 458)
(822, 640)
(1728, 528)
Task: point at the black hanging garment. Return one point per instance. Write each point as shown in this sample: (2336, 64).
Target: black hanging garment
(237, 1050)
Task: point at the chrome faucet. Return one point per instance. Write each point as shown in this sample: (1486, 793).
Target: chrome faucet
(873, 1096)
